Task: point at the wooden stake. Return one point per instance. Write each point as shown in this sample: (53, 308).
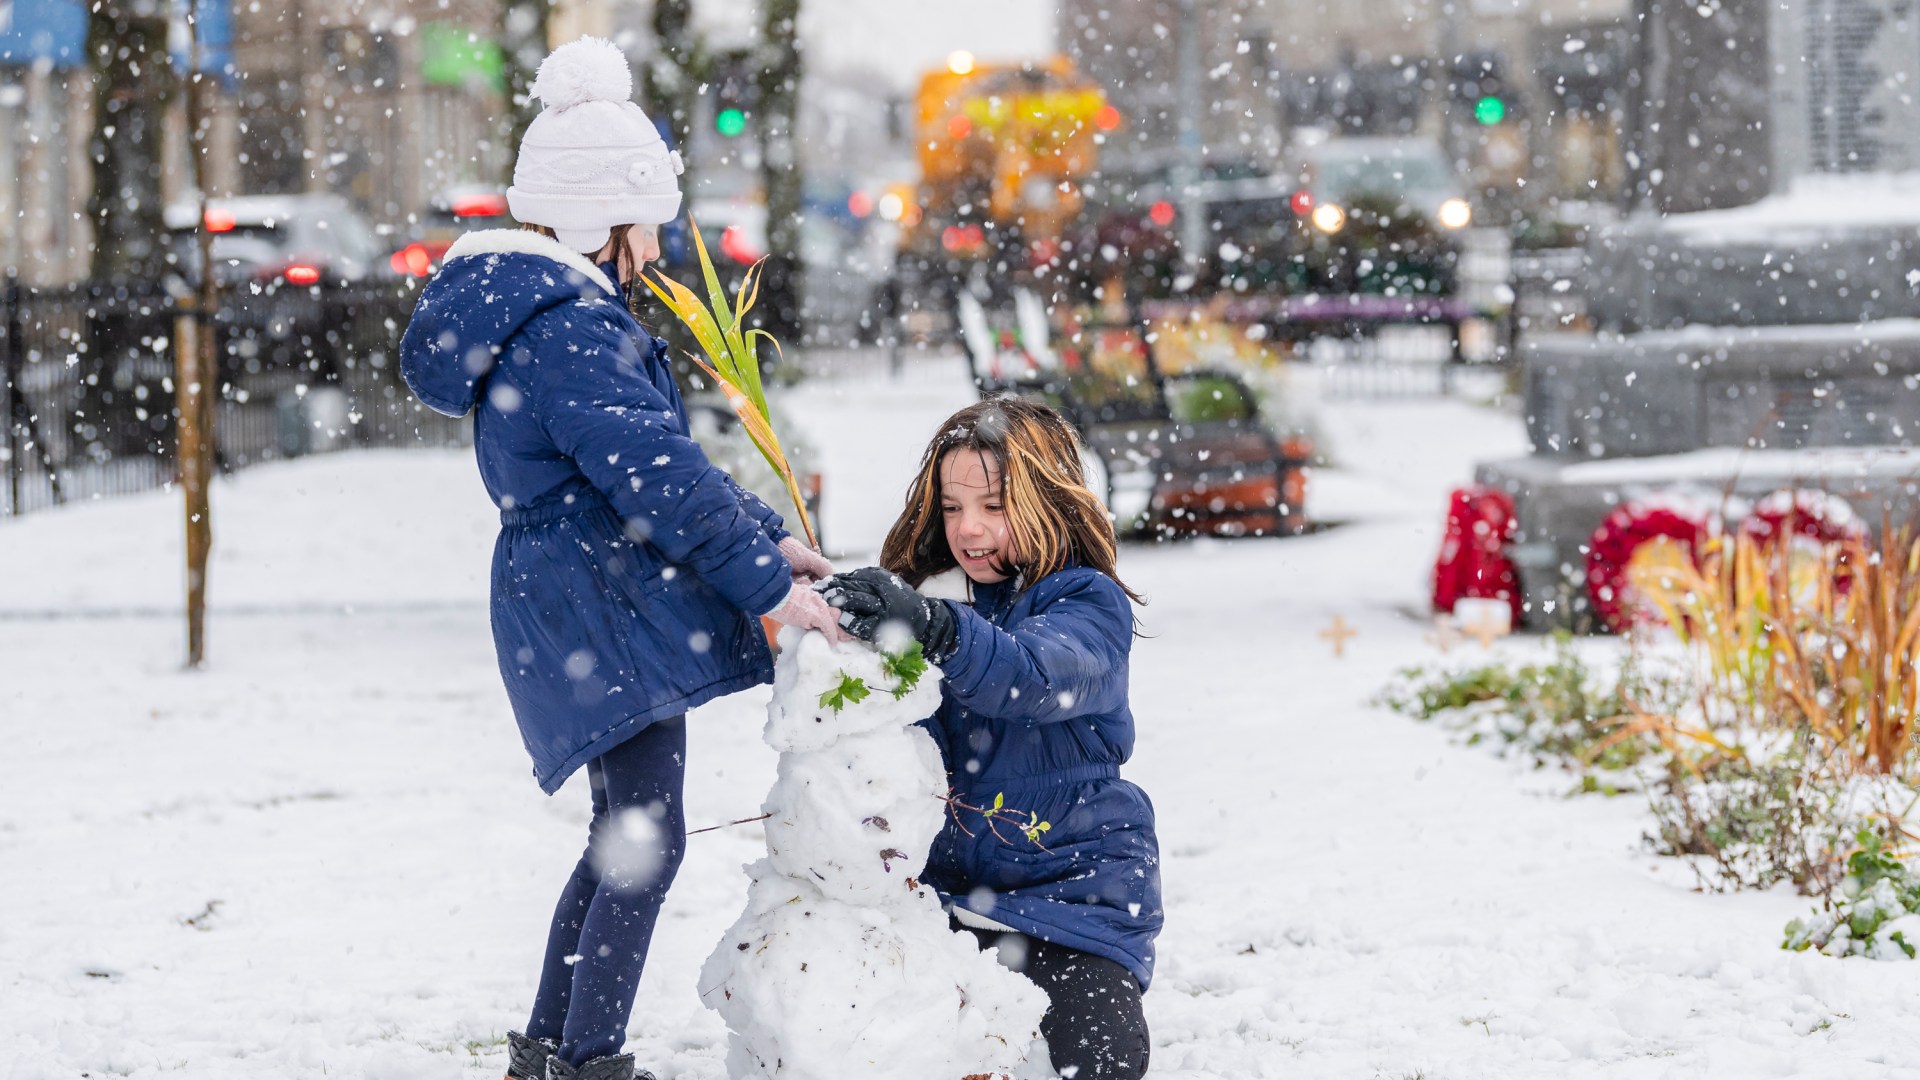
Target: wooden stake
(192, 457)
(196, 375)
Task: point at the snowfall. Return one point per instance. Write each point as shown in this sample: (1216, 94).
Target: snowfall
(324, 854)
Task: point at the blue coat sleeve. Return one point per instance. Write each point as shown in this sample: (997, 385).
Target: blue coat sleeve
(597, 406)
(1067, 659)
(757, 509)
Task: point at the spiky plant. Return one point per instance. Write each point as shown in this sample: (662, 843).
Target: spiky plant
(732, 358)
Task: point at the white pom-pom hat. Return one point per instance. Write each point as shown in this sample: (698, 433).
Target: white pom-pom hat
(591, 160)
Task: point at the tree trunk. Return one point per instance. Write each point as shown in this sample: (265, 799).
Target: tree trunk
(674, 73)
(523, 44)
(133, 83)
(778, 114)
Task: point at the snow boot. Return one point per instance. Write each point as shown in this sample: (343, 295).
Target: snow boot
(618, 1067)
(527, 1058)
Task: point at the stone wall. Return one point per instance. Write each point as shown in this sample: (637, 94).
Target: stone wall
(1773, 388)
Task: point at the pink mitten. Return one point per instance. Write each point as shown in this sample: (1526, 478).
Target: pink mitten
(808, 609)
(808, 565)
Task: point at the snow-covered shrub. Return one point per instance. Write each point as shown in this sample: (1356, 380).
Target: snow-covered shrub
(1753, 808)
(1558, 712)
(1875, 913)
(1766, 815)
(844, 966)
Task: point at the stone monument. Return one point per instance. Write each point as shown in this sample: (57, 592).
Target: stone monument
(1748, 348)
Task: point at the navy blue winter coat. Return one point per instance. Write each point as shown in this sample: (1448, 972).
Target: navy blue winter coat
(1035, 711)
(628, 568)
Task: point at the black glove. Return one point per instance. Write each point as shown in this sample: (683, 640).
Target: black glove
(871, 597)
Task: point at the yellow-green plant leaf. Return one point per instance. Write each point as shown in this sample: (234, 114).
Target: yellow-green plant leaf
(753, 375)
(681, 301)
(731, 358)
(715, 294)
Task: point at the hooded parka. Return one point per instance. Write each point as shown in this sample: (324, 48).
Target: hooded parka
(628, 569)
(1035, 719)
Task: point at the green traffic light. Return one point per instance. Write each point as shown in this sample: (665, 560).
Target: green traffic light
(730, 122)
(1489, 110)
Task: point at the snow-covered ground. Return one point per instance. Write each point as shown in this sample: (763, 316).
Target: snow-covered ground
(324, 855)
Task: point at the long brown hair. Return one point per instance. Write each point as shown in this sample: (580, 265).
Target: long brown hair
(1052, 518)
(622, 254)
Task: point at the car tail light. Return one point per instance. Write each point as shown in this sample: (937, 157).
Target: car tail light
(1296, 448)
(485, 204)
(963, 238)
(302, 274)
(1302, 202)
(734, 245)
(219, 221)
(414, 259)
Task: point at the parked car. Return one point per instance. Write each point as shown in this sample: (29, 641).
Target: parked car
(292, 269)
(1379, 216)
(272, 241)
(419, 248)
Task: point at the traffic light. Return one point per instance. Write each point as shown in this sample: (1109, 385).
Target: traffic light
(734, 91)
(1479, 85)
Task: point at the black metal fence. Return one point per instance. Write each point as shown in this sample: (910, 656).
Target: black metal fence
(88, 390)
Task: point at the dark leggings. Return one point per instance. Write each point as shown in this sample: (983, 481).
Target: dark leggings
(1094, 1024)
(606, 914)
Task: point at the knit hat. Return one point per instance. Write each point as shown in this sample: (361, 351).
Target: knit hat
(591, 160)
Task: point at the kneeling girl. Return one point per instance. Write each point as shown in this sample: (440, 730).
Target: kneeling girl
(1034, 720)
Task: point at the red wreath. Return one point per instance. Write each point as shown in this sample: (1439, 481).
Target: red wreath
(1610, 551)
(1473, 559)
(1813, 514)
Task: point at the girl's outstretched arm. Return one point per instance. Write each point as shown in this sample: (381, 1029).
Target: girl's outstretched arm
(1069, 659)
(756, 508)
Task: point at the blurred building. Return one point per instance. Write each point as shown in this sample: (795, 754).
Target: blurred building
(1841, 87)
(1556, 71)
(389, 102)
(385, 101)
(1133, 51)
(46, 111)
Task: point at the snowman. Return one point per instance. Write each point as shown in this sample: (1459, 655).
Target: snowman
(843, 965)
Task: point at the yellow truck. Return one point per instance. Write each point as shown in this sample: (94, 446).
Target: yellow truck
(1003, 149)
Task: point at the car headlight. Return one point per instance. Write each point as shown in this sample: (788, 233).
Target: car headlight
(1329, 218)
(1455, 214)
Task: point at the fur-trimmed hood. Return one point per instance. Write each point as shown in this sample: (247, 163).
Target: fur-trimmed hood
(490, 284)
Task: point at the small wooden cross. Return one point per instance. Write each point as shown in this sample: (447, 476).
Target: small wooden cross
(1339, 634)
(1446, 633)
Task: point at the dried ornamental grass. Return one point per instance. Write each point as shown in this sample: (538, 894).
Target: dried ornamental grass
(1846, 660)
(1791, 634)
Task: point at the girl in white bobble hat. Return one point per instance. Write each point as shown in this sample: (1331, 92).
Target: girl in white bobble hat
(629, 569)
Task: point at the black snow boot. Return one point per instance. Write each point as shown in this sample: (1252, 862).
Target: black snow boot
(527, 1058)
(618, 1067)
